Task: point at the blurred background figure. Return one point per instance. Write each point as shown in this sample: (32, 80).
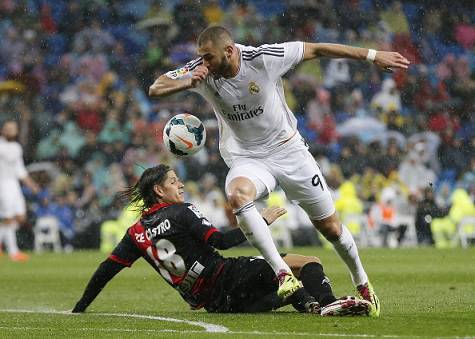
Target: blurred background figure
(428, 210)
(386, 219)
(12, 201)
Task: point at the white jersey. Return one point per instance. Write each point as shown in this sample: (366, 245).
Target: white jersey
(252, 113)
(12, 167)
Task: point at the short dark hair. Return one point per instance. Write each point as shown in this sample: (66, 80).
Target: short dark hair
(215, 34)
(143, 191)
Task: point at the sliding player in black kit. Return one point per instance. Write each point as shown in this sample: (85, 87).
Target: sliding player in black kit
(179, 243)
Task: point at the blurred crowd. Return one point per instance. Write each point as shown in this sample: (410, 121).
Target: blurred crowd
(75, 74)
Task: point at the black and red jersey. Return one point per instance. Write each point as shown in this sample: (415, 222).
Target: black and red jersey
(172, 238)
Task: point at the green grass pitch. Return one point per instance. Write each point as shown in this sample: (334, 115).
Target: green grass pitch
(423, 292)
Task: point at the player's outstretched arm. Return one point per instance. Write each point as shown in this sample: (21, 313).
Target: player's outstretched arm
(104, 273)
(165, 85)
(223, 241)
(382, 59)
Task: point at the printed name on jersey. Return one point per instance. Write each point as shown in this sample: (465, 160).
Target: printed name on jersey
(159, 229)
(140, 237)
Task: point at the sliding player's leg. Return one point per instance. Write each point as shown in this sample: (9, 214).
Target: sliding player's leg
(309, 270)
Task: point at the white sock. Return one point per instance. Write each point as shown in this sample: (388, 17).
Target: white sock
(346, 248)
(257, 232)
(10, 239)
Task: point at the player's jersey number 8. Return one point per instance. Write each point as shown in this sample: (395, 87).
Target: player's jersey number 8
(168, 261)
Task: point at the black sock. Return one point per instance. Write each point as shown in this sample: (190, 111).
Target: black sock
(316, 283)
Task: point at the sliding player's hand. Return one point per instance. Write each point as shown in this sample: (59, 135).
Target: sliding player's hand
(389, 60)
(271, 214)
(199, 74)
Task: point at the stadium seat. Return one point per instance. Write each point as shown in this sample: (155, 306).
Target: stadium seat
(46, 232)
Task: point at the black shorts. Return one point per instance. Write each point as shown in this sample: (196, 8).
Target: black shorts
(242, 282)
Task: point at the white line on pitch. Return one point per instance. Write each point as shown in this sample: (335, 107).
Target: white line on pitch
(300, 334)
(210, 328)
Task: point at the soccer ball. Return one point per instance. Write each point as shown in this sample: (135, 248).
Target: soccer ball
(184, 135)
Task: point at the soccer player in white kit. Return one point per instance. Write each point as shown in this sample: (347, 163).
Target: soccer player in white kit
(259, 140)
(12, 202)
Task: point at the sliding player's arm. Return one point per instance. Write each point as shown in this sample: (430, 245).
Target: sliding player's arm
(203, 229)
(123, 255)
(104, 273)
(186, 77)
(382, 59)
(223, 241)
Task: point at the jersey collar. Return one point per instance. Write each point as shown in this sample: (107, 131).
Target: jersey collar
(156, 207)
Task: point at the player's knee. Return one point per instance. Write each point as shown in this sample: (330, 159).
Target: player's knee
(240, 191)
(239, 197)
(329, 227)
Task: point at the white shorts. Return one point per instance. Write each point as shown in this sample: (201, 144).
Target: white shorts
(295, 170)
(12, 202)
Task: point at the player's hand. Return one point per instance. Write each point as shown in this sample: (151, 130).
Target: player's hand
(199, 74)
(388, 60)
(271, 214)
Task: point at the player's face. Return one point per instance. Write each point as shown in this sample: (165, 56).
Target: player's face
(216, 59)
(171, 190)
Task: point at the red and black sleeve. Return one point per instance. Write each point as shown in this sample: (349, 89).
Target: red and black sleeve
(204, 231)
(223, 241)
(124, 254)
(104, 273)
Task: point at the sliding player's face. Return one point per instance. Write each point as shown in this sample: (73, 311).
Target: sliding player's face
(171, 190)
(216, 58)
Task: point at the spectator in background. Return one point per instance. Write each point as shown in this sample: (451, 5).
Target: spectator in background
(451, 155)
(388, 98)
(385, 218)
(389, 163)
(427, 210)
(415, 175)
